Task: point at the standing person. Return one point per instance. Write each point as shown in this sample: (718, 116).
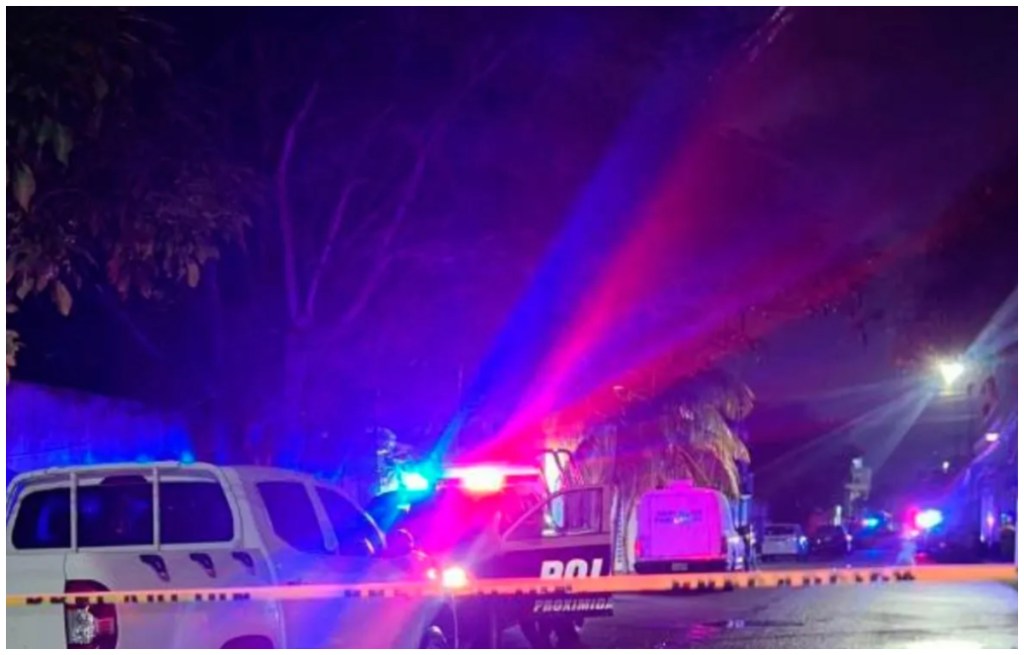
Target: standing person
(908, 549)
(749, 552)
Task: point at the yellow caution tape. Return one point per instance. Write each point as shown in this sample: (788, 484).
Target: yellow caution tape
(616, 584)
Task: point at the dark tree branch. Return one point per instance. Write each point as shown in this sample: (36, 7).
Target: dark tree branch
(382, 259)
(433, 135)
(284, 215)
(339, 213)
(334, 226)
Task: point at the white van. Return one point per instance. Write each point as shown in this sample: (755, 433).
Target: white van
(686, 528)
(171, 526)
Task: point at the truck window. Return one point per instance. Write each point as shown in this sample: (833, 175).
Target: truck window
(574, 512)
(44, 520)
(117, 514)
(121, 514)
(357, 535)
(292, 515)
(194, 512)
(780, 531)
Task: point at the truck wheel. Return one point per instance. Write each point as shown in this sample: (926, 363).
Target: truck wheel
(568, 634)
(537, 634)
(434, 637)
(249, 642)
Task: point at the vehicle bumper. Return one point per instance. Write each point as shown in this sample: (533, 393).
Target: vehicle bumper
(473, 612)
(681, 566)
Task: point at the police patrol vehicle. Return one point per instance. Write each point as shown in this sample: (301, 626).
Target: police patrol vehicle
(171, 526)
(501, 521)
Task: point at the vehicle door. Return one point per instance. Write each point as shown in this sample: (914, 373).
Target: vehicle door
(568, 535)
(301, 550)
(361, 555)
(166, 530)
(38, 540)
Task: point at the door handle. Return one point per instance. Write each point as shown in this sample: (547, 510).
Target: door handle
(158, 565)
(246, 560)
(205, 561)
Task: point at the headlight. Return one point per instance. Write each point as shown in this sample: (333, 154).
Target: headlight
(454, 577)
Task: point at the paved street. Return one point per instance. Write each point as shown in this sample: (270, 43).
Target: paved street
(979, 615)
(968, 615)
(924, 615)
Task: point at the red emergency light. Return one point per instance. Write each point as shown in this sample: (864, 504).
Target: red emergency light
(487, 478)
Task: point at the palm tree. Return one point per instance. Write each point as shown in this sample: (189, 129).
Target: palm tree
(687, 431)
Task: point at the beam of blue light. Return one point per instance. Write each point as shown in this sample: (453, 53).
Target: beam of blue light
(597, 224)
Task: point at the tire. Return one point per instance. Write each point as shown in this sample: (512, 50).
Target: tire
(434, 637)
(537, 634)
(249, 642)
(568, 634)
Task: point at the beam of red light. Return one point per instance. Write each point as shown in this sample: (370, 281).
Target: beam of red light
(775, 288)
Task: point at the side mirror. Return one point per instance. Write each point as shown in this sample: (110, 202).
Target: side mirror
(400, 543)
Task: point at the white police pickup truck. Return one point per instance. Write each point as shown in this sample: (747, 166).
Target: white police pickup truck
(171, 526)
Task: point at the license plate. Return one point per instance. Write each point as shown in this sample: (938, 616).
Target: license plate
(680, 566)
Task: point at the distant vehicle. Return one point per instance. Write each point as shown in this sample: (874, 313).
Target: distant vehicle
(686, 528)
(871, 537)
(784, 540)
(89, 529)
(489, 521)
(830, 541)
(946, 539)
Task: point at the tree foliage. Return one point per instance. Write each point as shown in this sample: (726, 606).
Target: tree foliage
(110, 175)
(690, 430)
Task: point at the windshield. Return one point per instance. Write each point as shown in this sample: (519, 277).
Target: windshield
(781, 530)
(452, 517)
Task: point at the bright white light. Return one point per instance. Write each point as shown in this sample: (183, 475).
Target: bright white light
(951, 370)
(991, 437)
(945, 466)
(928, 519)
(414, 481)
(483, 479)
(454, 577)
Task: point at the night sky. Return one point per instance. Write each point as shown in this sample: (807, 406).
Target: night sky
(624, 188)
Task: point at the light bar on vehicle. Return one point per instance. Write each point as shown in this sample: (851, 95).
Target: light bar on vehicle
(483, 479)
(487, 478)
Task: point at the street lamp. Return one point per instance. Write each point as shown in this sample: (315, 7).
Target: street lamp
(950, 370)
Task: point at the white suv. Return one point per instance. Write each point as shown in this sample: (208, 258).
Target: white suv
(176, 526)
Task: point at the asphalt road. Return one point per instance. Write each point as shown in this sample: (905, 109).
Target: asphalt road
(890, 616)
(894, 615)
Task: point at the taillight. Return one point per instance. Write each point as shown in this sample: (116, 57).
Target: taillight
(89, 625)
(638, 548)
